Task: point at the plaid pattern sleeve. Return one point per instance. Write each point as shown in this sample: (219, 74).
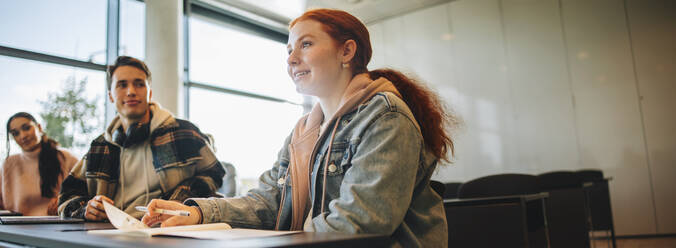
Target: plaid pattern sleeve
(188, 146)
(73, 194)
(96, 172)
(204, 184)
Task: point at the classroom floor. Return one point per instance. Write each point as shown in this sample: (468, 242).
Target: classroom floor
(657, 242)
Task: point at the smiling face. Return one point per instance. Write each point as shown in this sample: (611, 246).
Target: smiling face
(130, 92)
(26, 133)
(315, 60)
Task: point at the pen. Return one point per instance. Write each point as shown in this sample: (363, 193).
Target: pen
(164, 211)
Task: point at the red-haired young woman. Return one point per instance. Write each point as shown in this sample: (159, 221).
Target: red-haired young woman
(359, 162)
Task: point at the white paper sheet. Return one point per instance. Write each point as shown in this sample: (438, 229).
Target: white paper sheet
(122, 220)
(130, 226)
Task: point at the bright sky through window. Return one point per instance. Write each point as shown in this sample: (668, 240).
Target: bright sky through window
(248, 132)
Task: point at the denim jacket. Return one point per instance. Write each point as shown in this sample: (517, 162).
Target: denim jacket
(377, 181)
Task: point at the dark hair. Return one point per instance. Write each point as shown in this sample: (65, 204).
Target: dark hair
(128, 61)
(426, 106)
(49, 166)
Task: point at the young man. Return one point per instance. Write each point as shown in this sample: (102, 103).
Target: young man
(145, 153)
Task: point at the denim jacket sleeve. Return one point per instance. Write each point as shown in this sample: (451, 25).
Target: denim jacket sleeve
(377, 189)
(258, 209)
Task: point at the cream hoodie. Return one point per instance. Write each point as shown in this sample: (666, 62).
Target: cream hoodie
(138, 181)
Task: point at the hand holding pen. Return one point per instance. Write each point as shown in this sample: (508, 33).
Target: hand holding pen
(164, 211)
(170, 213)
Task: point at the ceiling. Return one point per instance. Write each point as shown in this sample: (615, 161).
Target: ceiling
(369, 11)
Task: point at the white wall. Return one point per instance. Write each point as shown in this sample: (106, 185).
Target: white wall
(547, 85)
(653, 39)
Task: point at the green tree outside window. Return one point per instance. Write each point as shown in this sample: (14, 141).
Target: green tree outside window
(69, 116)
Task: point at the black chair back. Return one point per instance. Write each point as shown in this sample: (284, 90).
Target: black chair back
(559, 180)
(437, 187)
(590, 175)
(506, 185)
(451, 190)
(499, 185)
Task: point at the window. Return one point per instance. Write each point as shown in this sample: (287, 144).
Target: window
(26, 86)
(132, 29)
(240, 93)
(248, 132)
(49, 48)
(73, 29)
(226, 56)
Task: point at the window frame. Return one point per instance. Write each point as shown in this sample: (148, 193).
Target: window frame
(251, 26)
(112, 46)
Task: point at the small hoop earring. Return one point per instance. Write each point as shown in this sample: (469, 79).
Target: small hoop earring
(346, 65)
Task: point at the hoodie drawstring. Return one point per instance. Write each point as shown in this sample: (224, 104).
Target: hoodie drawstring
(121, 180)
(145, 171)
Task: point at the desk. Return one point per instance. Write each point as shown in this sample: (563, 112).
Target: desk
(505, 221)
(53, 235)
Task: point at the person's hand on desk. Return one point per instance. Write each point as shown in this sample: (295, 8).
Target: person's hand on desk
(94, 210)
(152, 217)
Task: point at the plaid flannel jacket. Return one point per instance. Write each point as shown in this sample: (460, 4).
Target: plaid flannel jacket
(174, 146)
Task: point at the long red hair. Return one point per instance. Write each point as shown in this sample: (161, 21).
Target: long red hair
(425, 104)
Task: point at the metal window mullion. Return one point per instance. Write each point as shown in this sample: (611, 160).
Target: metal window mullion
(35, 56)
(186, 58)
(238, 92)
(224, 16)
(112, 48)
(112, 31)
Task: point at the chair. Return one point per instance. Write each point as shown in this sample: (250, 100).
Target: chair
(437, 187)
(451, 190)
(566, 209)
(499, 185)
(229, 187)
(590, 175)
(535, 234)
(559, 180)
(598, 199)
